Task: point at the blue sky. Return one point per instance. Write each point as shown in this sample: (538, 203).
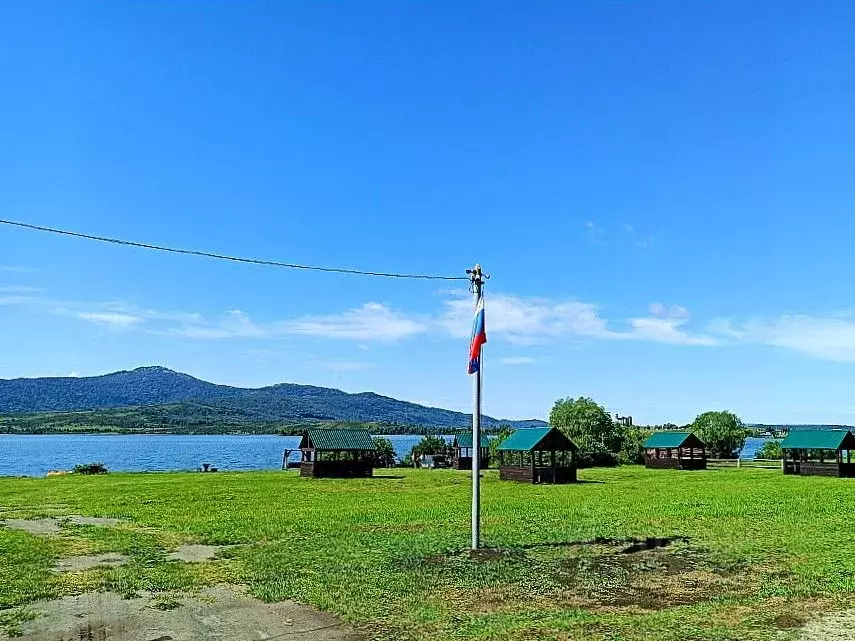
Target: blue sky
(662, 191)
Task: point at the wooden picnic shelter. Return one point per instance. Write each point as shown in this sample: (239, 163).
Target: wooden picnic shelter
(462, 451)
(675, 450)
(339, 453)
(537, 455)
(818, 453)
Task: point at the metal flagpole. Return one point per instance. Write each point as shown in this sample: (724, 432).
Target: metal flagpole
(477, 283)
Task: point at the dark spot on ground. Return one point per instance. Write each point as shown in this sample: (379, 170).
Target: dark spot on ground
(651, 574)
(488, 554)
(789, 621)
(652, 544)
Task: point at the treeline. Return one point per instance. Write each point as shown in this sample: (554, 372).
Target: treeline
(604, 441)
(185, 418)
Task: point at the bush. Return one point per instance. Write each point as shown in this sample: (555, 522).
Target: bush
(591, 428)
(723, 432)
(770, 450)
(429, 444)
(504, 432)
(90, 468)
(384, 452)
(632, 448)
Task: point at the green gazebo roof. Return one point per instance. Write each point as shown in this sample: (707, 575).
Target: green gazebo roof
(465, 440)
(337, 439)
(670, 439)
(537, 438)
(819, 440)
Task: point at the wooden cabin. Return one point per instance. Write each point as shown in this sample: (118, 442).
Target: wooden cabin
(818, 453)
(338, 453)
(462, 457)
(675, 450)
(537, 455)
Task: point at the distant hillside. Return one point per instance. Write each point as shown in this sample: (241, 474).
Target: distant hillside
(799, 426)
(160, 398)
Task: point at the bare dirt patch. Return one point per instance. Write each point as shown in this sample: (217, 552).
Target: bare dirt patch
(601, 574)
(78, 563)
(50, 525)
(39, 527)
(221, 613)
(650, 578)
(836, 626)
(93, 520)
(195, 553)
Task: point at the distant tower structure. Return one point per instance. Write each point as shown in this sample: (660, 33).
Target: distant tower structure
(623, 420)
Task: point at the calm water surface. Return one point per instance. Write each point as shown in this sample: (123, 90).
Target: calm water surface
(36, 455)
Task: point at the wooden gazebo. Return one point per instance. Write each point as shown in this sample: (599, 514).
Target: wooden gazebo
(538, 455)
(462, 446)
(675, 450)
(819, 453)
(342, 453)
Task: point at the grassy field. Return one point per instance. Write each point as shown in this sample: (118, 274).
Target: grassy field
(760, 553)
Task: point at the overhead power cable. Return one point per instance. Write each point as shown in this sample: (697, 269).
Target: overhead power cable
(235, 259)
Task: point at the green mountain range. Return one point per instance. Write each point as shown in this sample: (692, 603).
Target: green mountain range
(157, 399)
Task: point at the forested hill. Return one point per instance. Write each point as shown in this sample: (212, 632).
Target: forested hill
(181, 394)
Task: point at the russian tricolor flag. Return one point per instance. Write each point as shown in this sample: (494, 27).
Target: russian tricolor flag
(479, 337)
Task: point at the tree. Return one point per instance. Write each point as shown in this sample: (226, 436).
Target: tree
(723, 432)
(632, 448)
(384, 452)
(504, 432)
(429, 444)
(770, 450)
(591, 427)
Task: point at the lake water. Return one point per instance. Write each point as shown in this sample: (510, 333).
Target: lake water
(36, 455)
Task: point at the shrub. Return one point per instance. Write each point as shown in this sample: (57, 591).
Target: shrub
(504, 432)
(384, 452)
(770, 450)
(429, 444)
(90, 468)
(723, 432)
(632, 448)
(590, 427)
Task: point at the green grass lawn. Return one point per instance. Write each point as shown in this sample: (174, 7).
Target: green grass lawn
(762, 552)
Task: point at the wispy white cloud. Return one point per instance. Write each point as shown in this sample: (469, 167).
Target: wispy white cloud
(514, 319)
(528, 321)
(112, 319)
(371, 322)
(629, 229)
(666, 325)
(825, 337)
(19, 289)
(17, 269)
(18, 300)
(595, 232)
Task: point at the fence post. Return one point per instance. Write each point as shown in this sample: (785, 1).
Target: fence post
(738, 463)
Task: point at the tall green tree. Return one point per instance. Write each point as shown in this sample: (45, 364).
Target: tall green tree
(384, 452)
(770, 450)
(632, 447)
(591, 427)
(429, 444)
(504, 432)
(723, 432)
